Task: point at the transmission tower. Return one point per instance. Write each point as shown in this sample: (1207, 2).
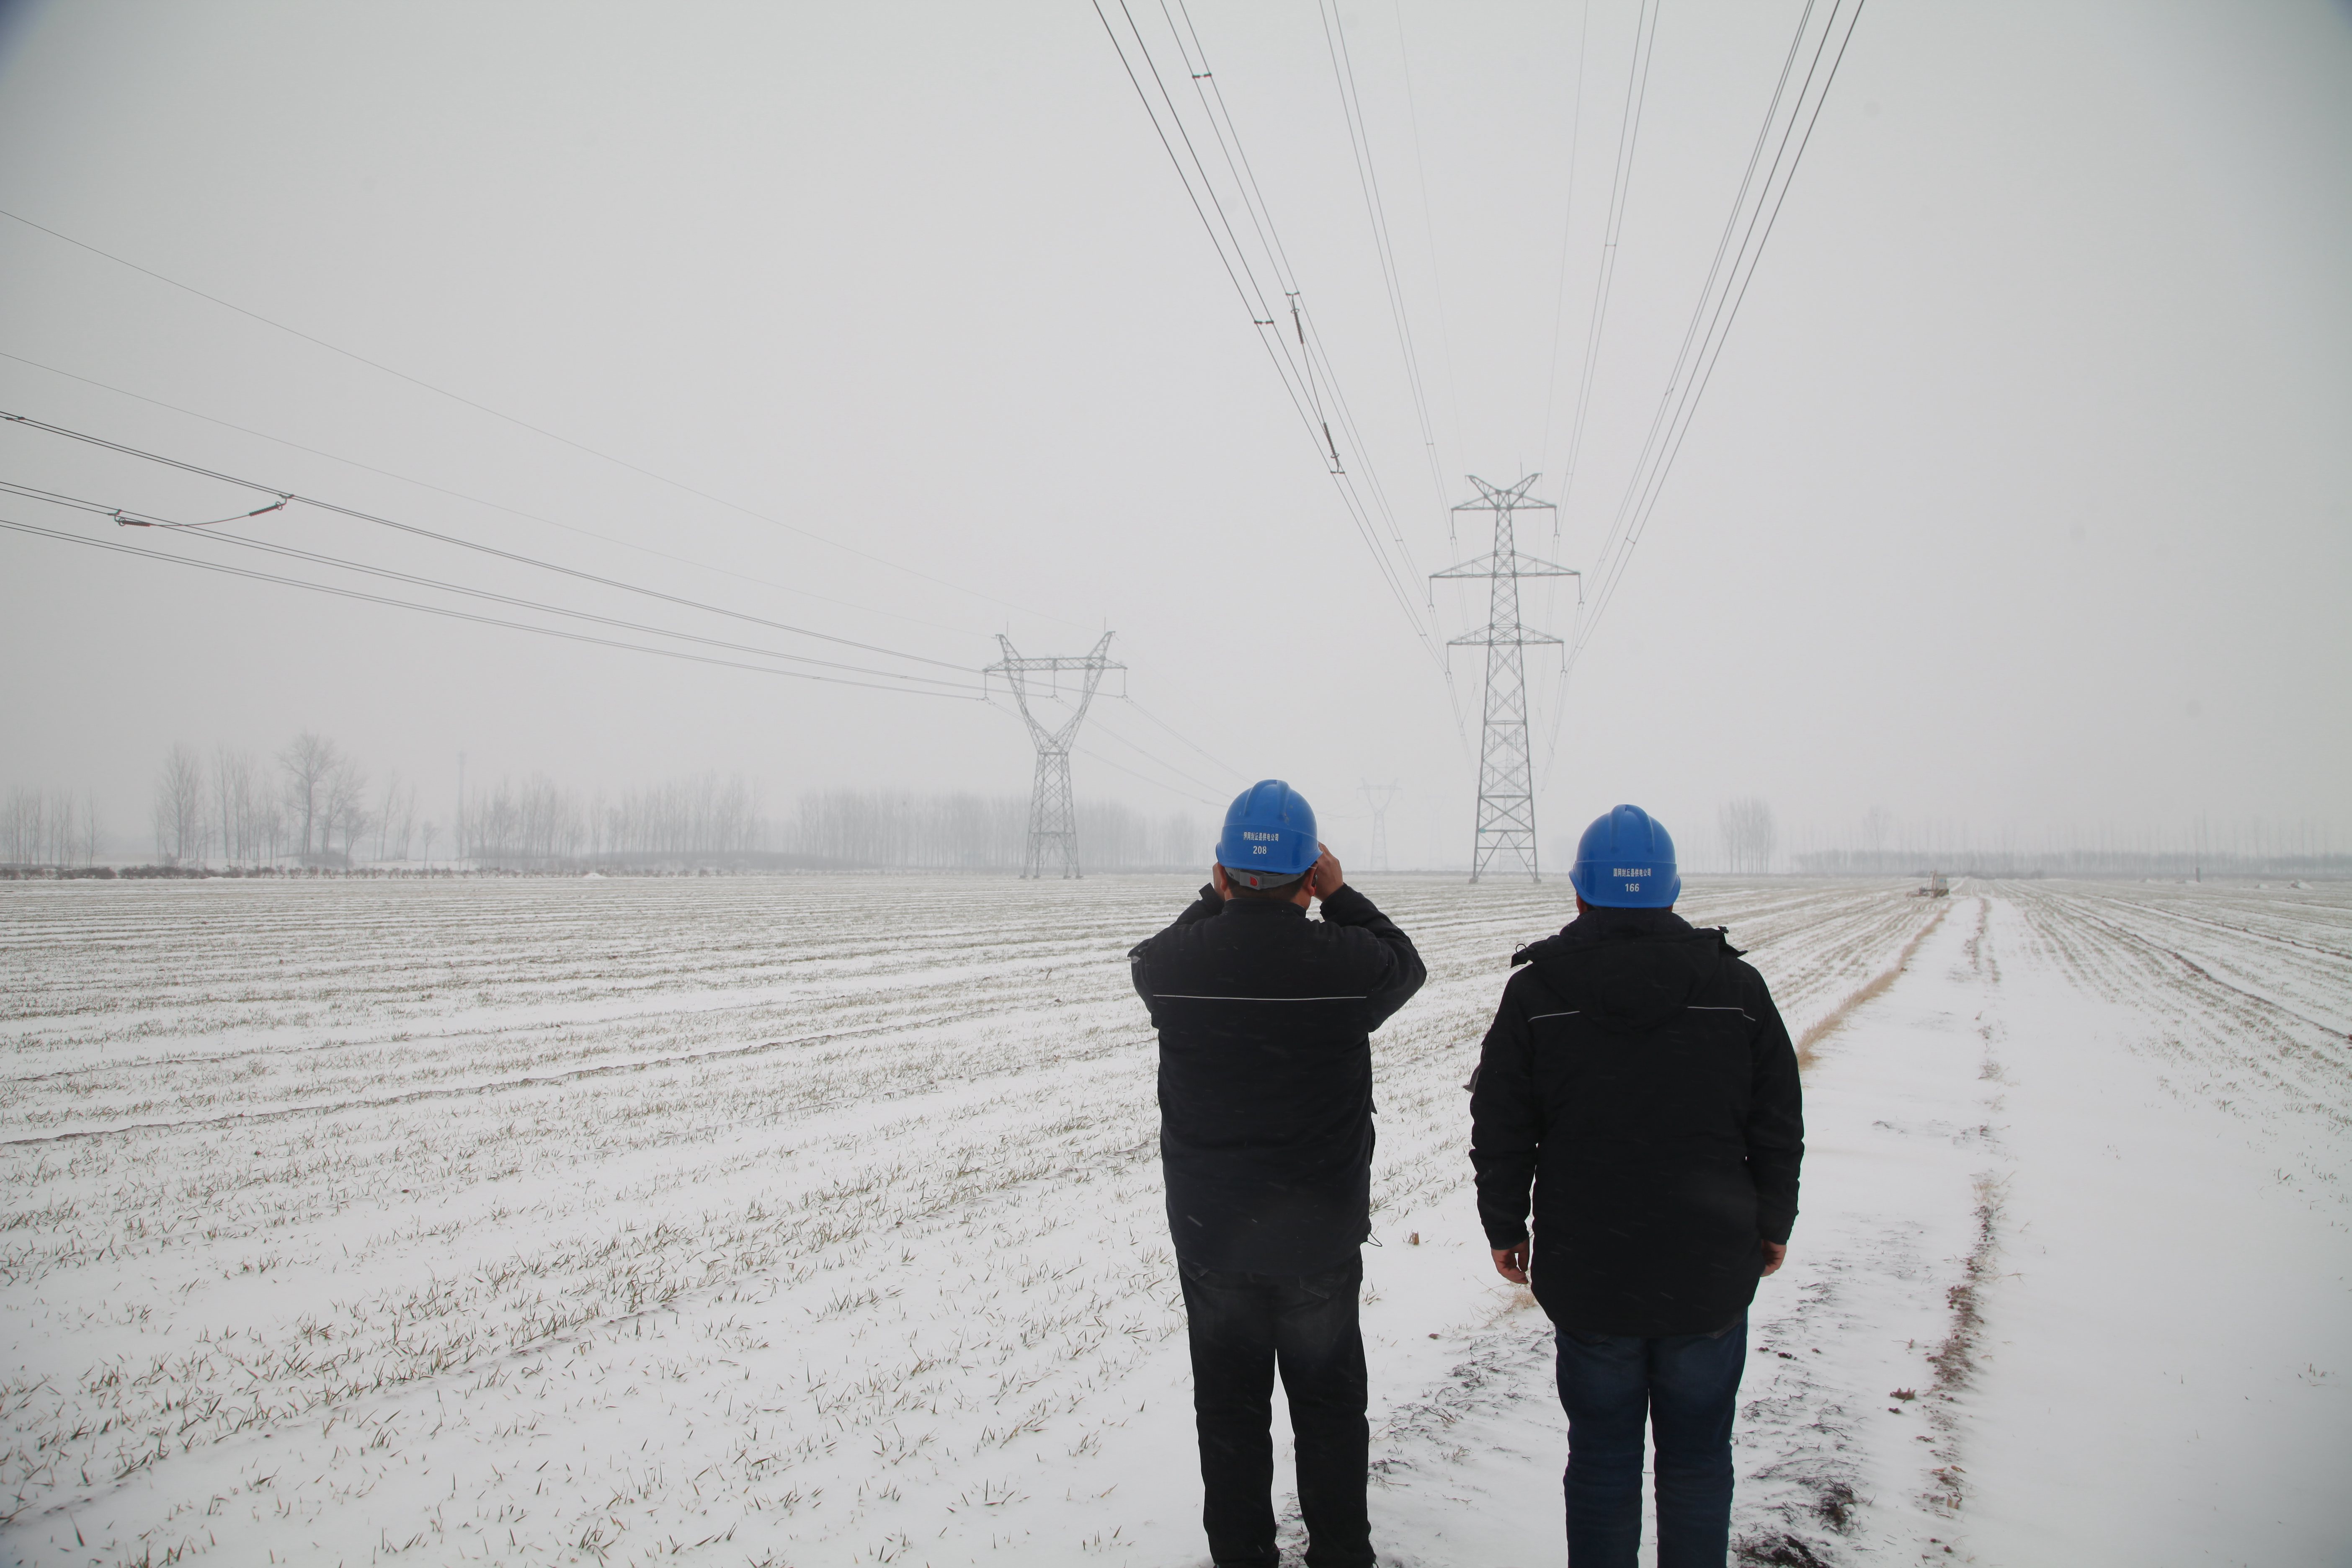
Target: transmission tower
(1379, 797)
(1507, 799)
(1053, 809)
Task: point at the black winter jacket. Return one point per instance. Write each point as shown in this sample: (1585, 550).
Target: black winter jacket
(1265, 1075)
(1639, 1075)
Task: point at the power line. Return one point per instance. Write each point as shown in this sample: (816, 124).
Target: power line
(1566, 229)
(1305, 370)
(1718, 308)
(1158, 784)
(1559, 692)
(128, 518)
(210, 531)
(1305, 373)
(638, 468)
(1674, 377)
(1319, 377)
(1367, 179)
(449, 614)
(478, 501)
(1642, 491)
(1148, 714)
(1155, 761)
(1628, 135)
(103, 443)
(1428, 231)
(1551, 375)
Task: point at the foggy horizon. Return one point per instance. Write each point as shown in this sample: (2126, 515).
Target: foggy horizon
(2015, 515)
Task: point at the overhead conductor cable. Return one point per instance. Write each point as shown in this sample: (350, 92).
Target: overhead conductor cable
(227, 569)
(519, 424)
(285, 496)
(1285, 332)
(478, 501)
(211, 533)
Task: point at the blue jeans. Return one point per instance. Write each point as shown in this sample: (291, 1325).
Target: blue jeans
(1685, 1389)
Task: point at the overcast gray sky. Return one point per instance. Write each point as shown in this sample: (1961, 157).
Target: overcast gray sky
(2022, 495)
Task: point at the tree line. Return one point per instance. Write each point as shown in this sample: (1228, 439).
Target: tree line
(314, 802)
(48, 827)
(311, 801)
(706, 820)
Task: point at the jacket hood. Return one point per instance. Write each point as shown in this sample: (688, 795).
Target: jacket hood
(1634, 970)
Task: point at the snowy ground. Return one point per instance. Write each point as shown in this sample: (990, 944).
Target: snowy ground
(817, 1221)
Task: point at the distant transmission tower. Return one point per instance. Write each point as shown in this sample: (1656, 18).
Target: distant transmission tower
(1379, 797)
(1053, 809)
(1507, 799)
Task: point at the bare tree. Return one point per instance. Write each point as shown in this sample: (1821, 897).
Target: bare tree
(408, 817)
(20, 825)
(343, 805)
(179, 805)
(387, 815)
(429, 830)
(1749, 834)
(309, 760)
(89, 827)
(240, 801)
(44, 827)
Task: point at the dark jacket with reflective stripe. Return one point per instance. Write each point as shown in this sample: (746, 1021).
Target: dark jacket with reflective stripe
(1639, 1075)
(1265, 1075)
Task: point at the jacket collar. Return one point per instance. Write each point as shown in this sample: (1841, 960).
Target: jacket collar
(1599, 924)
(1257, 908)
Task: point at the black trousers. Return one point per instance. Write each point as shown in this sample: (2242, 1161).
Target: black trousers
(1242, 1326)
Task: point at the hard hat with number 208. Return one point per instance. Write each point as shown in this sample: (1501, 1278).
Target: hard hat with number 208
(1269, 832)
(1626, 861)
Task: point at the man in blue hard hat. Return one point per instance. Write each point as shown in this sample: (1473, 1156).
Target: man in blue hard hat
(1266, 1138)
(1638, 1075)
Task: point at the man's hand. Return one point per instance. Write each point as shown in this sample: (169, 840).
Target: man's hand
(1325, 877)
(1511, 1263)
(1775, 1254)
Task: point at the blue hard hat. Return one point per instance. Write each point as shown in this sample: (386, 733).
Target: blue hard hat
(1626, 861)
(1269, 832)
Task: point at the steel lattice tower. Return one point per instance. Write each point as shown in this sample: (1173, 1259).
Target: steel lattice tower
(1053, 808)
(1507, 799)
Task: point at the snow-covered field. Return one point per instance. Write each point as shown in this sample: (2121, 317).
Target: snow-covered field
(811, 1221)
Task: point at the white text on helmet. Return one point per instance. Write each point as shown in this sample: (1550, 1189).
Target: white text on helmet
(1640, 871)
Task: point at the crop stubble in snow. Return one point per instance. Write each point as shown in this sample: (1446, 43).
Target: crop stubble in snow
(817, 1220)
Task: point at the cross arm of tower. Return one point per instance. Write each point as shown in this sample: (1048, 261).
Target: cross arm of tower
(1015, 666)
(1518, 565)
(1505, 504)
(1501, 637)
(1499, 498)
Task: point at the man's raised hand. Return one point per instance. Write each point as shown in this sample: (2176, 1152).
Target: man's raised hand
(1325, 877)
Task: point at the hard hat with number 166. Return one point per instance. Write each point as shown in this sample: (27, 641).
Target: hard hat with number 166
(1626, 861)
(1269, 834)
